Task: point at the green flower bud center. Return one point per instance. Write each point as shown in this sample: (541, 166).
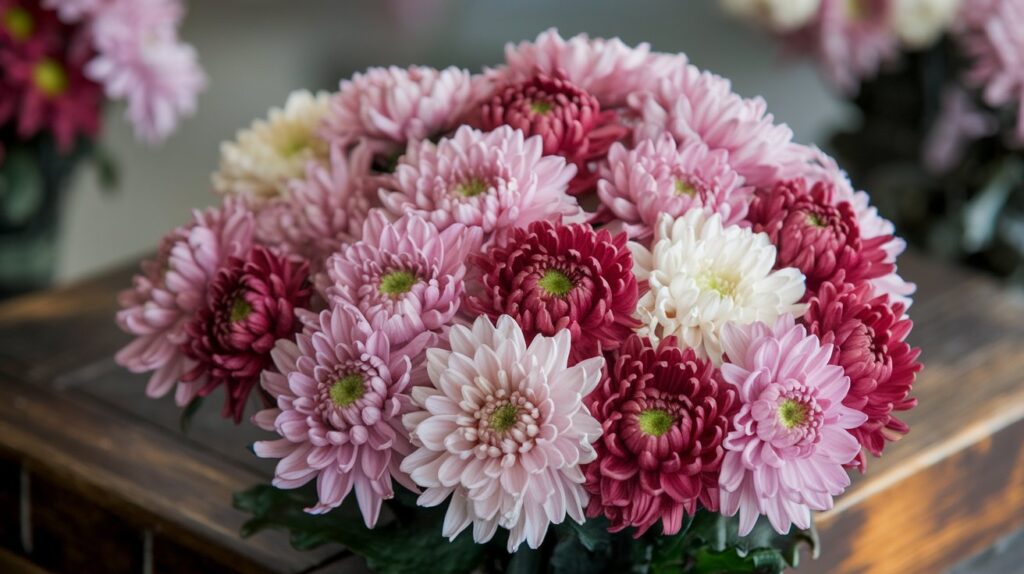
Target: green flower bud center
(541, 107)
(240, 309)
(504, 418)
(50, 77)
(398, 282)
(471, 188)
(792, 413)
(347, 390)
(724, 286)
(684, 187)
(556, 283)
(655, 422)
(19, 23)
(815, 220)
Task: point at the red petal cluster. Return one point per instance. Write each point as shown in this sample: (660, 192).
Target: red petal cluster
(251, 304)
(640, 477)
(568, 119)
(550, 277)
(869, 336)
(817, 234)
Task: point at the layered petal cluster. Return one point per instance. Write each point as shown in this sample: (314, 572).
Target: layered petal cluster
(171, 289)
(550, 277)
(496, 181)
(992, 35)
(664, 414)
(660, 177)
(791, 438)
(251, 304)
(868, 335)
(264, 158)
(388, 108)
(406, 277)
(701, 275)
(570, 122)
(503, 431)
(341, 389)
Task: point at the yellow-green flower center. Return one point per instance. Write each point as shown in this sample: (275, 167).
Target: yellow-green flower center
(721, 284)
(294, 145)
(397, 282)
(792, 413)
(541, 107)
(347, 390)
(684, 187)
(240, 309)
(504, 417)
(555, 283)
(19, 23)
(655, 422)
(50, 77)
(815, 220)
(856, 10)
(471, 188)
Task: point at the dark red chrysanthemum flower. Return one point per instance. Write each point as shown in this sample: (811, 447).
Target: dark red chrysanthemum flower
(817, 234)
(550, 277)
(568, 119)
(664, 414)
(869, 336)
(251, 304)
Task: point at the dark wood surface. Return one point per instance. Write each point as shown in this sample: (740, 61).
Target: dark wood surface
(79, 432)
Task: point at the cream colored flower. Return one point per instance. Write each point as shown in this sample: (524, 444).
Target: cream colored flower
(778, 15)
(920, 22)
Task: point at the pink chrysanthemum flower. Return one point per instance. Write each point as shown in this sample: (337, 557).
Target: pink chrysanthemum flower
(406, 277)
(689, 104)
(992, 35)
(550, 277)
(496, 181)
(608, 69)
(868, 337)
(250, 305)
(341, 390)
(569, 120)
(390, 107)
(72, 11)
(503, 431)
(170, 291)
(657, 177)
(664, 414)
(791, 437)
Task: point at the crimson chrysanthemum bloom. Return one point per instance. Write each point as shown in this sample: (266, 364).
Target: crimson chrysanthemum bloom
(663, 415)
(817, 233)
(569, 120)
(869, 334)
(251, 304)
(550, 277)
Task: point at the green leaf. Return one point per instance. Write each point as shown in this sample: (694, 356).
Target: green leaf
(762, 545)
(581, 548)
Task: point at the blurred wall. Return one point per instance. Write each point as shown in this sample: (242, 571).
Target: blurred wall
(256, 51)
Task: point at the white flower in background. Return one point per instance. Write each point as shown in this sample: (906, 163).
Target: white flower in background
(779, 15)
(920, 22)
(703, 275)
(262, 160)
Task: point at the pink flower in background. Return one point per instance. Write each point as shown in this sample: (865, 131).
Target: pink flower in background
(657, 176)
(341, 390)
(608, 69)
(692, 105)
(503, 431)
(250, 305)
(390, 107)
(550, 277)
(569, 120)
(992, 35)
(72, 11)
(406, 277)
(172, 289)
(868, 334)
(960, 122)
(664, 414)
(791, 437)
(496, 181)
(141, 61)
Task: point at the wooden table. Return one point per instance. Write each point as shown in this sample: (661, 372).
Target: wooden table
(94, 477)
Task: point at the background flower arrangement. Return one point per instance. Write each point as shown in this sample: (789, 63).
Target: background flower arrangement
(940, 84)
(58, 60)
(588, 310)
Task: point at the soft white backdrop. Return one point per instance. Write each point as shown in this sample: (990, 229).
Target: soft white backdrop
(256, 51)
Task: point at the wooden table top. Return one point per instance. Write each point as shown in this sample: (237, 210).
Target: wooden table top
(948, 490)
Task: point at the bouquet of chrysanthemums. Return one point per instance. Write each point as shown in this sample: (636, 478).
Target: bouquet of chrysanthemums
(940, 87)
(584, 311)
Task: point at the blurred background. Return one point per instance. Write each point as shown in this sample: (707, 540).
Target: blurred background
(256, 51)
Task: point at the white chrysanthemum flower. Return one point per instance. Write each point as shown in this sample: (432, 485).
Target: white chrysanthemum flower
(703, 275)
(262, 160)
(778, 15)
(919, 23)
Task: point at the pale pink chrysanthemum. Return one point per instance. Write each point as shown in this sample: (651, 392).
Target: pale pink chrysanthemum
(690, 104)
(141, 60)
(791, 437)
(72, 11)
(959, 123)
(657, 176)
(406, 277)
(992, 35)
(390, 107)
(608, 69)
(496, 181)
(503, 430)
(172, 289)
(341, 389)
